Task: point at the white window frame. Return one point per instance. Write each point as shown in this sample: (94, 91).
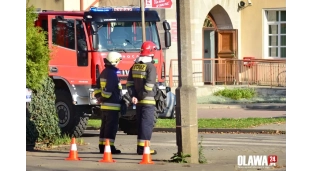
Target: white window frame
(265, 29)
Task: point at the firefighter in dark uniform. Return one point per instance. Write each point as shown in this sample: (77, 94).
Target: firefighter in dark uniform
(109, 96)
(141, 87)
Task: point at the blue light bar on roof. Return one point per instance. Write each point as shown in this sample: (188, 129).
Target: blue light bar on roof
(123, 8)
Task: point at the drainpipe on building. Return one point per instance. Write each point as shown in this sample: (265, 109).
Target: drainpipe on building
(81, 5)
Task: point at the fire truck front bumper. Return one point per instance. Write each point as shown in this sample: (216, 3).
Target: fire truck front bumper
(92, 99)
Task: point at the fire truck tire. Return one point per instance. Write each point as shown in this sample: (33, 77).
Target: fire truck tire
(130, 126)
(70, 121)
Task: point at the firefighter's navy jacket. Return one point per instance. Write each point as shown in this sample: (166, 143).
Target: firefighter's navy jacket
(110, 92)
(141, 83)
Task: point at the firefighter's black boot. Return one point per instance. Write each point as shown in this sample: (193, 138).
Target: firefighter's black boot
(140, 150)
(101, 148)
(114, 150)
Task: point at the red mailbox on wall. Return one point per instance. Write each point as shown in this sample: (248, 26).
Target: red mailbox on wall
(248, 61)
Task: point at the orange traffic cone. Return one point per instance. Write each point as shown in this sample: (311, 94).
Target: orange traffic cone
(73, 153)
(146, 159)
(107, 156)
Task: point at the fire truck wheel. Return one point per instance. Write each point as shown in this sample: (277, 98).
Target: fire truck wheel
(70, 121)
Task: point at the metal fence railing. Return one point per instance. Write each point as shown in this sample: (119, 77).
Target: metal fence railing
(233, 72)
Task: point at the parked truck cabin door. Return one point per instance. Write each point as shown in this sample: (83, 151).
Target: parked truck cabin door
(70, 57)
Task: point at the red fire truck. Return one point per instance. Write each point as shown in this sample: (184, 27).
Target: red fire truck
(80, 41)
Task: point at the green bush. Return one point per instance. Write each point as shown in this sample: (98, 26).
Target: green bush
(42, 119)
(37, 52)
(236, 93)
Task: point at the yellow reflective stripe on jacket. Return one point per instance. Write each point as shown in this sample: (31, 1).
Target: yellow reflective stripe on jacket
(106, 94)
(110, 106)
(138, 76)
(149, 87)
(152, 102)
(97, 91)
(103, 82)
(129, 83)
(119, 86)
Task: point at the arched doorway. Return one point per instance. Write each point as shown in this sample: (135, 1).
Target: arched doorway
(219, 41)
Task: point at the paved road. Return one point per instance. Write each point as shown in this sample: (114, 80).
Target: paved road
(239, 113)
(221, 151)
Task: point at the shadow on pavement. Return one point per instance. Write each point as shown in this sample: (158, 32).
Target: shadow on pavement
(30, 168)
(81, 152)
(90, 134)
(98, 158)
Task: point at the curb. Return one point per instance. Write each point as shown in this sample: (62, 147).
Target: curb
(242, 106)
(226, 130)
(216, 130)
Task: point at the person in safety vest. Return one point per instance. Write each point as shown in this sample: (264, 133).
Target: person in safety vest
(109, 96)
(142, 89)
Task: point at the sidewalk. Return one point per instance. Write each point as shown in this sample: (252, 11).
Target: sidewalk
(280, 106)
(270, 128)
(261, 110)
(220, 150)
(264, 129)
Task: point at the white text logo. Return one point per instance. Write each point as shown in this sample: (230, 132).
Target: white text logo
(256, 161)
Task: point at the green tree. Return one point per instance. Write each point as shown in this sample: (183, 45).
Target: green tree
(41, 116)
(37, 52)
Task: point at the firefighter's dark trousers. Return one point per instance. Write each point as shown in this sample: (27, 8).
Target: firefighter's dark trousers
(109, 126)
(145, 121)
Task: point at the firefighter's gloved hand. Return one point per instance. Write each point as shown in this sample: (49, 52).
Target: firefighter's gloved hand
(98, 101)
(126, 98)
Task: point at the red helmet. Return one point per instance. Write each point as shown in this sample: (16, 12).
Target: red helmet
(148, 48)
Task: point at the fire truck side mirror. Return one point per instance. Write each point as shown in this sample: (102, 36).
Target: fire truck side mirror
(167, 39)
(166, 25)
(94, 27)
(95, 40)
(95, 36)
(167, 28)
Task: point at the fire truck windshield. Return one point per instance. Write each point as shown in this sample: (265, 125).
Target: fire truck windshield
(125, 36)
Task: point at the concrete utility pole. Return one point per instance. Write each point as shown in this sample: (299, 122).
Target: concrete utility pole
(186, 119)
(143, 19)
(81, 5)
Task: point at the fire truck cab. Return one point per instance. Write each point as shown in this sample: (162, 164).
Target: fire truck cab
(80, 41)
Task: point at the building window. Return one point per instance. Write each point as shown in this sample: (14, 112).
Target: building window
(275, 33)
